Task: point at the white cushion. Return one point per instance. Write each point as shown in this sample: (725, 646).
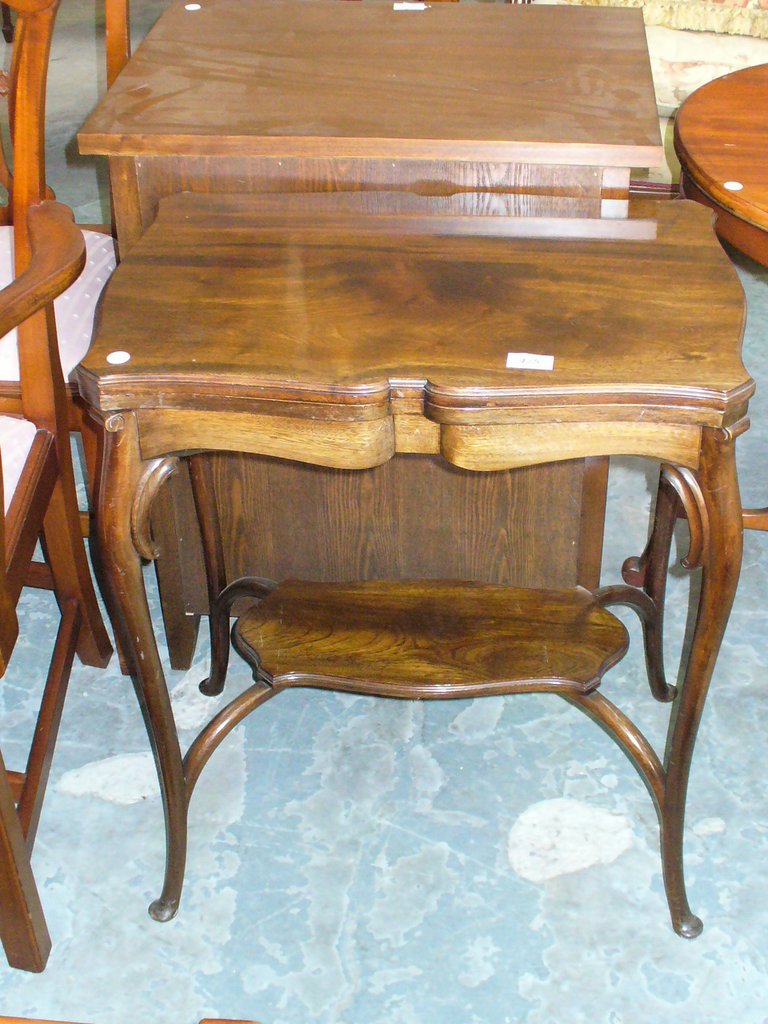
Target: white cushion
(16, 436)
(75, 308)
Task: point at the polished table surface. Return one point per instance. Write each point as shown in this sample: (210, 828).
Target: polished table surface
(347, 340)
(458, 109)
(354, 318)
(472, 82)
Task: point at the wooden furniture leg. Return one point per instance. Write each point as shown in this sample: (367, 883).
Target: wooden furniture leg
(71, 573)
(26, 947)
(221, 598)
(125, 499)
(251, 587)
(594, 498)
(35, 778)
(721, 563)
(649, 573)
(201, 478)
(710, 498)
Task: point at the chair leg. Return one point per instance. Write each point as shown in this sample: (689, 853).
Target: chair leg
(41, 752)
(23, 930)
(71, 574)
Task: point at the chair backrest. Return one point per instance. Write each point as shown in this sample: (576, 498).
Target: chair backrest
(27, 302)
(118, 37)
(26, 105)
(24, 86)
(49, 255)
(42, 386)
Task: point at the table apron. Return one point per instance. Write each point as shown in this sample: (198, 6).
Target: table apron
(367, 443)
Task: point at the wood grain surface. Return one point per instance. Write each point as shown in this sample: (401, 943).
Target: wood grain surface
(352, 318)
(285, 519)
(426, 187)
(277, 78)
(432, 638)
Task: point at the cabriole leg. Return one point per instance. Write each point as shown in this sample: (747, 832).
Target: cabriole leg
(649, 572)
(720, 559)
(126, 485)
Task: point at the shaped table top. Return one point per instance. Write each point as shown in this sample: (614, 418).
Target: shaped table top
(223, 303)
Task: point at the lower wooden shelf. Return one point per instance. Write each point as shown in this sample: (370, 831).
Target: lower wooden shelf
(430, 638)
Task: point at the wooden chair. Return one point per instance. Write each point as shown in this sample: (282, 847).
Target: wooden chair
(76, 308)
(38, 479)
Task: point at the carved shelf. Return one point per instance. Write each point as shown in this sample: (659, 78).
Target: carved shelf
(430, 638)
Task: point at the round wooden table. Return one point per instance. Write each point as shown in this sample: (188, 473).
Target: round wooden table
(721, 140)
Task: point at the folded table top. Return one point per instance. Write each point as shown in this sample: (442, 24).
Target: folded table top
(547, 85)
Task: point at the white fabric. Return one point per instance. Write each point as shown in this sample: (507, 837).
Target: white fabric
(75, 308)
(16, 436)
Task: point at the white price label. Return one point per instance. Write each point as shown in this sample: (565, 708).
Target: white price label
(529, 361)
(405, 5)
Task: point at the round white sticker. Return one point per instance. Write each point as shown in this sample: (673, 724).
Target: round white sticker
(115, 358)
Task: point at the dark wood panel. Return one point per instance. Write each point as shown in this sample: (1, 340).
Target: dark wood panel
(523, 190)
(416, 516)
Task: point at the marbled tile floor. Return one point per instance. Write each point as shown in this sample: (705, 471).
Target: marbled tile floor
(374, 862)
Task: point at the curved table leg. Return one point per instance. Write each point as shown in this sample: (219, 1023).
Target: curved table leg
(649, 572)
(204, 495)
(119, 492)
(721, 563)
(221, 597)
(255, 587)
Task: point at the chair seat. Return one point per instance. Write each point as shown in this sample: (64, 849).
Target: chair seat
(430, 638)
(75, 308)
(16, 437)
